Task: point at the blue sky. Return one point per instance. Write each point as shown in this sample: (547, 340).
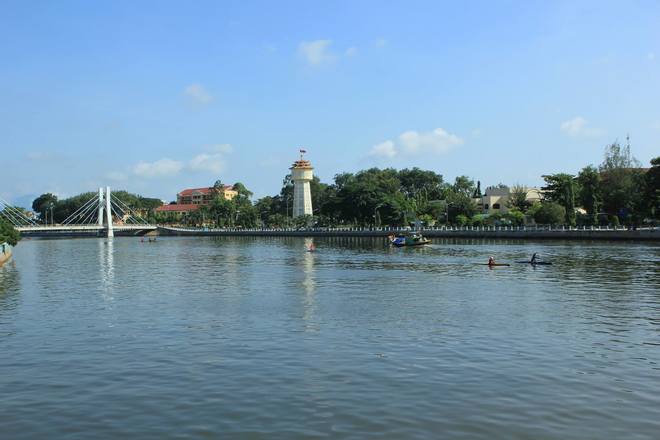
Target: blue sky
(154, 97)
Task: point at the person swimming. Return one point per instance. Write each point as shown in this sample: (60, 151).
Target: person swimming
(491, 261)
(534, 258)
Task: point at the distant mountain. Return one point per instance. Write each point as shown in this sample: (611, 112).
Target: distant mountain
(25, 201)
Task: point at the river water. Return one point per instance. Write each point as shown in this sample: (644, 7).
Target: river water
(255, 338)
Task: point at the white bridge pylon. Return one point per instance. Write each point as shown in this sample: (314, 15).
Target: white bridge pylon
(105, 201)
(108, 212)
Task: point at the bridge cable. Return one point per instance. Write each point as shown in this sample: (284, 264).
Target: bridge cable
(86, 215)
(120, 217)
(136, 217)
(90, 214)
(78, 212)
(14, 216)
(124, 212)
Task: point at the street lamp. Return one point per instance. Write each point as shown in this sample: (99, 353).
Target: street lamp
(376, 213)
(447, 211)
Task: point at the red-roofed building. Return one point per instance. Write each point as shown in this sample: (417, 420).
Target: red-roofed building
(204, 196)
(191, 199)
(176, 208)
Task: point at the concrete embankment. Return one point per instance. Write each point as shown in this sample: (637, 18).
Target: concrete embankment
(5, 253)
(487, 233)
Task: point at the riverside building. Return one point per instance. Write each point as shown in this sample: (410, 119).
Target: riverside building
(496, 199)
(192, 198)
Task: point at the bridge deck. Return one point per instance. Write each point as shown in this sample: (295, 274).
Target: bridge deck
(80, 228)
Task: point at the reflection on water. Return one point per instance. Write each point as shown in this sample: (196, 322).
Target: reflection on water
(257, 338)
(9, 289)
(106, 266)
(308, 281)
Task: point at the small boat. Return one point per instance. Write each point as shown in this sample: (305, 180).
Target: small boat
(414, 239)
(536, 263)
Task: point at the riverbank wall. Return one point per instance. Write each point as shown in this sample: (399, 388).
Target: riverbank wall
(651, 234)
(5, 253)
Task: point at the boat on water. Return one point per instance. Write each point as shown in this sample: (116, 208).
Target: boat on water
(5, 253)
(413, 239)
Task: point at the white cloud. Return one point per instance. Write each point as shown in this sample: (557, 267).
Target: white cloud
(438, 141)
(384, 149)
(316, 52)
(161, 168)
(116, 176)
(579, 127)
(351, 51)
(413, 143)
(214, 163)
(212, 160)
(197, 93)
(219, 148)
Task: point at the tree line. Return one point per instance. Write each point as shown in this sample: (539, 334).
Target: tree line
(617, 191)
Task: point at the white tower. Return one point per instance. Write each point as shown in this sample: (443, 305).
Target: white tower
(301, 174)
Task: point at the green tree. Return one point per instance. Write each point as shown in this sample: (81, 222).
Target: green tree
(589, 196)
(477, 191)
(653, 188)
(620, 173)
(303, 221)
(518, 198)
(560, 188)
(8, 233)
(222, 212)
(458, 199)
(462, 220)
(515, 216)
(420, 184)
(464, 185)
(242, 190)
(550, 213)
(43, 203)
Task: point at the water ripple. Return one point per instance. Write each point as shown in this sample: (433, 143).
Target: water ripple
(255, 338)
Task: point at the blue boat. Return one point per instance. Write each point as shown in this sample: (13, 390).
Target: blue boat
(414, 239)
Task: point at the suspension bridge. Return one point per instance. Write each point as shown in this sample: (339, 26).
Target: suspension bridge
(102, 215)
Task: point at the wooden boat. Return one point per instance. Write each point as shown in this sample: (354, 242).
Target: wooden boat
(414, 239)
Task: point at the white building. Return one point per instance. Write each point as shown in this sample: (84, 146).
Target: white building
(496, 199)
(302, 175)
